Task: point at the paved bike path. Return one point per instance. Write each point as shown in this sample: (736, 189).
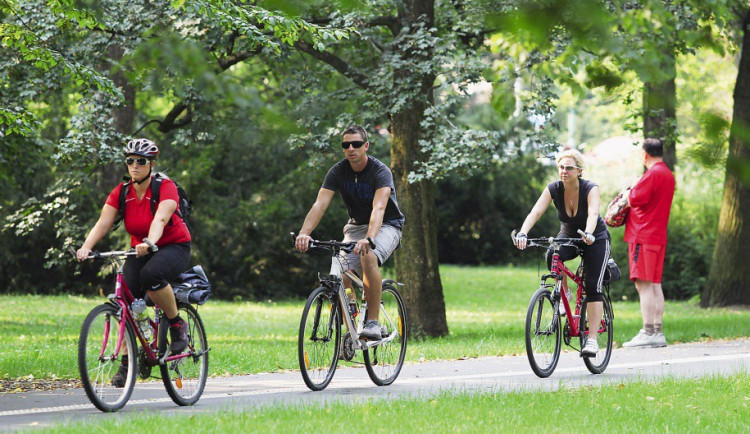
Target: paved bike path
(38, 409)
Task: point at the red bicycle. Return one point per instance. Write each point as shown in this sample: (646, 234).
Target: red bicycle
(544, 328)
(115, 328)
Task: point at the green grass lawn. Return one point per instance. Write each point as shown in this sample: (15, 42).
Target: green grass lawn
(670, 405)
(486, 308)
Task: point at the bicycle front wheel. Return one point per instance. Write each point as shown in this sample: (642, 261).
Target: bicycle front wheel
(384, 361)
(185, 378)
(319, 335)
(543, 333)
(597, 364)
(97, 363)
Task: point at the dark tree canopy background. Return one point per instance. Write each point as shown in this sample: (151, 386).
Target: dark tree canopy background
(247, 101)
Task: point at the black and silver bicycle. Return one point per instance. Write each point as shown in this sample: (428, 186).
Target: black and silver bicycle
(328, 307)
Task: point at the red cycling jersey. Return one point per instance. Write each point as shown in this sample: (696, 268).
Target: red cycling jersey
(138, 216)
(650, 203)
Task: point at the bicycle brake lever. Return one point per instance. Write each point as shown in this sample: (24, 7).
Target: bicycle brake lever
(151, 245)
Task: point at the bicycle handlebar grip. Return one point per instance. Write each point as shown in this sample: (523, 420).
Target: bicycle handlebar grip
(151, 245)
(582, 233)
(72, 251)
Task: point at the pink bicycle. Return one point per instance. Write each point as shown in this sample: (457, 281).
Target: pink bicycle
(117, 327)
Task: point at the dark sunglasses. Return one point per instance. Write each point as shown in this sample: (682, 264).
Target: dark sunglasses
(568, 168)
(357, 144)
(141, 161)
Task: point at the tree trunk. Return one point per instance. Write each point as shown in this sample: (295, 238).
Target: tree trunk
(417, 260)
(659, 118)
(728, 281)
(123, 116)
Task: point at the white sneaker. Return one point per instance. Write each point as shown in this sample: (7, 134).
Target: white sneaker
(658, 340)
(642, 340)
(591, 348)
(561, 309)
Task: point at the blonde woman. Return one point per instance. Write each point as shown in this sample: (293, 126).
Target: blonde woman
(577, 203)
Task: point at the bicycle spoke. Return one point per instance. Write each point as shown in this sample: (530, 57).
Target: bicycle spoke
(318, 339)
(99, 336)
(542, 334)
(384, 360)
(185, 378)
(597, 364)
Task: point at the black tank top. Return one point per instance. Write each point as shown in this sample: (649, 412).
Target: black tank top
(570, 225)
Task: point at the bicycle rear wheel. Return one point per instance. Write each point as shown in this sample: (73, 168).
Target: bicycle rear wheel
(384, 361)
(319, 335)
(97, 365)
(185, 378)
(543, 333)
(597, 364)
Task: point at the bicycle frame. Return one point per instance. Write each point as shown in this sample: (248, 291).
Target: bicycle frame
(123, 297)
(335, 281)
(558, 270)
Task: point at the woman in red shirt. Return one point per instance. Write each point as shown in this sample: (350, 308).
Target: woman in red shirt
(148, 272)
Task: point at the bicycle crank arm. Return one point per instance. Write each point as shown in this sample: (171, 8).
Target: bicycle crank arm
(385, 340)
(200, 353)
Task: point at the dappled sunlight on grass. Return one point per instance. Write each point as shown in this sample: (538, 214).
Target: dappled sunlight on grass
(485, 308)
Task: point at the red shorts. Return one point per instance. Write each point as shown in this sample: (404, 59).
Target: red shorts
(646, 261)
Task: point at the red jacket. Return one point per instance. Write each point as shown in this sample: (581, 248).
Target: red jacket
(650, 203)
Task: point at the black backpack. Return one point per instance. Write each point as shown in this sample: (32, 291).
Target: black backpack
(184, 205)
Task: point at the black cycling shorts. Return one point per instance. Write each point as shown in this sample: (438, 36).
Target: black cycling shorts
(156, 270)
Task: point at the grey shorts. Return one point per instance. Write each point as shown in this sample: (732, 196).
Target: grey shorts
(386, 242)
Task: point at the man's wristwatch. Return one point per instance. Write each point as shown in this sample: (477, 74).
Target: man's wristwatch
(369, 240)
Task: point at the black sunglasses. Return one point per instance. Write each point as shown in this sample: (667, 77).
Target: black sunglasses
(356, 143)
(141, 161)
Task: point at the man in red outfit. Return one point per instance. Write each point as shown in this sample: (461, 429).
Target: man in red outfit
(650, 201)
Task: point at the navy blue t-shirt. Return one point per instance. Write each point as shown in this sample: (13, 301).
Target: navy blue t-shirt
(357, 189)
(570, 225)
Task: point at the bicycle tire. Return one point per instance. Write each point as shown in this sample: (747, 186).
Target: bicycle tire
(318, 354)
(96, 374)
(543, 333)
(384, 362)
(185, 379)
(598, 364)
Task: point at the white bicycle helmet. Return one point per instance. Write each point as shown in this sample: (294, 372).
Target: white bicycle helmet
(143, 147)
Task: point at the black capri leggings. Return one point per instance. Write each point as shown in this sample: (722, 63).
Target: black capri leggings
(595, 259)
(156, 270)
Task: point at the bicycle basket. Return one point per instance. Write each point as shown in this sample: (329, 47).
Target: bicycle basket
(192, 286)
(612, 273)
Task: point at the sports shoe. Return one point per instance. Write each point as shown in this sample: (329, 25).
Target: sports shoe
(640, 340)
(121, 376)
(371, 330)
(561, 309)
(591, 347)
(658, 340)
(178, 337)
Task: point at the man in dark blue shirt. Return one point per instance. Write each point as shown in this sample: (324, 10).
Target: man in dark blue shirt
(366, 186)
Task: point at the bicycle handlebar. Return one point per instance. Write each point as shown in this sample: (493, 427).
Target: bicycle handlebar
(545, 242)
(100, 255)
(332, 244)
